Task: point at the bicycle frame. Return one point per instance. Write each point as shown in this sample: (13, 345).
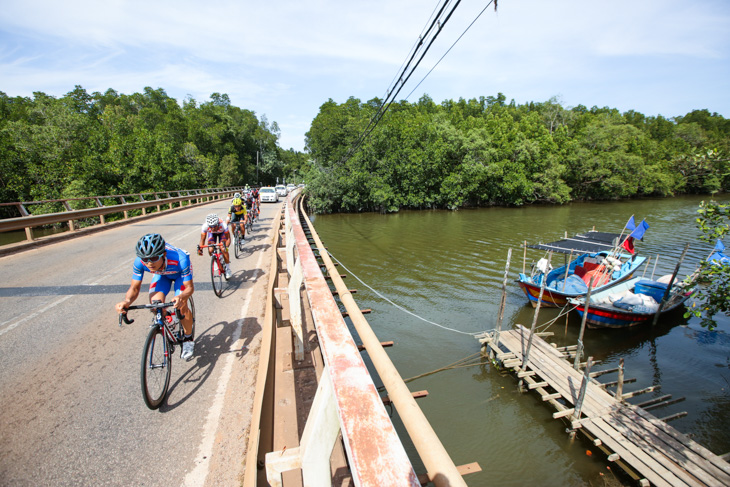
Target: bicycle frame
(159, 319)
(217, 251)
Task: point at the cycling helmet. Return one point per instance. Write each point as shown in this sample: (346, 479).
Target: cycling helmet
(236, 195)
(151, 245)
(212, 220)
(237, 202)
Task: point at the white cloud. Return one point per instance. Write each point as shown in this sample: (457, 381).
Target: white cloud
(284, 59)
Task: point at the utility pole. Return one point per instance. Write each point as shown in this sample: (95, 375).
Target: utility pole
(257, 169)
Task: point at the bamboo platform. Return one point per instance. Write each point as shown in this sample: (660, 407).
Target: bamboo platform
(647, 448)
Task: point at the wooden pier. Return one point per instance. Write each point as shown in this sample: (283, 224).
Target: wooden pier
(644, 446)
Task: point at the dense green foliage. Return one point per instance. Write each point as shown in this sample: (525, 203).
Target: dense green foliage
(713, 290)
(487, 152)
(99, 144)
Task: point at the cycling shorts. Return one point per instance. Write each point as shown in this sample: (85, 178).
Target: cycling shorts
(162, 284)
(237, 218)
(214, 238)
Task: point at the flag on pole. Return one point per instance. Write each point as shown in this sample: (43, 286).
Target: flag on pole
(629, 245)
(640, 230)
(631, 224)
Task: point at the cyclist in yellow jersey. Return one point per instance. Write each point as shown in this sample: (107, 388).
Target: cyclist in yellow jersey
(237, 215)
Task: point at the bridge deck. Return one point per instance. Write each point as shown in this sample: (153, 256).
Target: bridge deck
(645, 446)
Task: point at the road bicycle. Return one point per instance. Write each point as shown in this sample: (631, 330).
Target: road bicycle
(238, 241)
(249, 221)
(217, 268)
(166, 331)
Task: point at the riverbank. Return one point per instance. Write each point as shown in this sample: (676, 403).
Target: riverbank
(448, 267)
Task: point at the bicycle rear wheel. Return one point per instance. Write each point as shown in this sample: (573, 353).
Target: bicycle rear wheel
(156, 368)
(216, 273)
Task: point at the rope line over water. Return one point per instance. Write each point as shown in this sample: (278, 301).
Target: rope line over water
(399, 306)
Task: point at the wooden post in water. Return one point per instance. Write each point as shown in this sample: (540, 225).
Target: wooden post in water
(524, 256)
(669, 287)
(620, 386)
(526, 354)
(579, 350)
(565, 278)
(498, 327)
(583, 387)
(567, 269)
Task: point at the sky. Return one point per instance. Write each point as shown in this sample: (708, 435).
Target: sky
(283, 59)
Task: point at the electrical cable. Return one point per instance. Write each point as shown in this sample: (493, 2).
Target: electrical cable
(399, 306)
(452, 46)
(391, 96)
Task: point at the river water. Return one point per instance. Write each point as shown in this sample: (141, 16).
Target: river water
(434, 278)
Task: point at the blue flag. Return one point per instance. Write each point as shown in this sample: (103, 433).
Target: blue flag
(719, 246)
(631, 224)
(640, 230)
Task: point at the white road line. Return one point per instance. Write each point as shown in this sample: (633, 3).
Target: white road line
(14, 324)
(197, 476)
(31, 316)
(96, 280)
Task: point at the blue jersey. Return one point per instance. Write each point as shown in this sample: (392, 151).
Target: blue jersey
(177, 266)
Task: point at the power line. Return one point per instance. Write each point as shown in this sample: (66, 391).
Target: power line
(391, 96)
(452, 45)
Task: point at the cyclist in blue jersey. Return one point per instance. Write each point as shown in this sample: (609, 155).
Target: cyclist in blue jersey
(171, 268)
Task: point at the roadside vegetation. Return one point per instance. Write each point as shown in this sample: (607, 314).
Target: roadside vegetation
(109, 143)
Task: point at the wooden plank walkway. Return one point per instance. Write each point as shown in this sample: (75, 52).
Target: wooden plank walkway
(646, 447)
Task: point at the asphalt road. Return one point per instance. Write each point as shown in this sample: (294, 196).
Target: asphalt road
(71, 410)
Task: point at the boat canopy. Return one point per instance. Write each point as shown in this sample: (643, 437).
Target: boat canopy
(583, 243)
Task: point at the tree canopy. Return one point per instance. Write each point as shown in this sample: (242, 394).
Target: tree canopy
(475, 152)
(96, 144)
(485, 151)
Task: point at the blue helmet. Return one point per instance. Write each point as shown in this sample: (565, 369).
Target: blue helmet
(150, 245)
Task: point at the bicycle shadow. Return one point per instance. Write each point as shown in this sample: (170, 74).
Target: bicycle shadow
(239, 279)
(249, 250)
(210, 346)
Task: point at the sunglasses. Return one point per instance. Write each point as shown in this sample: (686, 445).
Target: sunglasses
(151, 259)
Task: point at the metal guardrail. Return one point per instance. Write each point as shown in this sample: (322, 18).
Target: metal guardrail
(347, 400)
(27, 221)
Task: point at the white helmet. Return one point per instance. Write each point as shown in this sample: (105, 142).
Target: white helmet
(212, 220)
(237, 195)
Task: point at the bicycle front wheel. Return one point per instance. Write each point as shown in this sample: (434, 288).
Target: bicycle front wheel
(156, 368)
(191, 305)
(237, 244)
(241, 242)
(216, 273)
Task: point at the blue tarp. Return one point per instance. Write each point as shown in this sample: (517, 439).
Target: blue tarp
(573, 285)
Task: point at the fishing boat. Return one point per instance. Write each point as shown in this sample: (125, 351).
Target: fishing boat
(599, 260)
(631, 303)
